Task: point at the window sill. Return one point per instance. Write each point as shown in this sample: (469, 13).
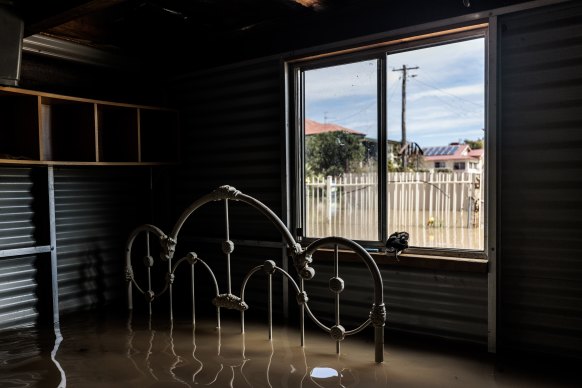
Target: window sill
(409, 260)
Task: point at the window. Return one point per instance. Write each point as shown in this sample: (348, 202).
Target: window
(340, 160)
(373, 133)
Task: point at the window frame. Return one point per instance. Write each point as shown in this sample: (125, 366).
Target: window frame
(379, 52)
(459, 166)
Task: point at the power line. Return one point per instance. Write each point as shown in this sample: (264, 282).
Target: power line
(356, 113)
(455, 109)
(393, 92)
(366, 107)
(450, 94)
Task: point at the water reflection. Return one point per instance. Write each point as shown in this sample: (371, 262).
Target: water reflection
(125, 353)
(141, 353)
(323, 373)
(28, 358)
(58, 340)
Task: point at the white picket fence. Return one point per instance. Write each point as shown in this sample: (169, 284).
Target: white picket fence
(438, 209)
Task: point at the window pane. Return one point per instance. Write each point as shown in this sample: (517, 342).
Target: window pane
(432, 138)
(341, 151)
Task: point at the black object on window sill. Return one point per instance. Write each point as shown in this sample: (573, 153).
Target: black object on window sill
(396, 243)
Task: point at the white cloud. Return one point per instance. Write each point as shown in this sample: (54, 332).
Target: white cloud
(445, 99)
(355, 79)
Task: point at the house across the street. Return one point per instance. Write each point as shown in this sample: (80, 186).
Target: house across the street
(453, 157)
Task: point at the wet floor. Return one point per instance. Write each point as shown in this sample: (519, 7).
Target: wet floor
(136, 353)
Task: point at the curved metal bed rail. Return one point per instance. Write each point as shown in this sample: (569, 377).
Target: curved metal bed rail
(302, 258)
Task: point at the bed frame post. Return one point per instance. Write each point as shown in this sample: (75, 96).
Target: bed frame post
(270, 307)
(193, 296)
(302, 316)
(149, 266)
(337, 294)
(379, 339)
(171, 280)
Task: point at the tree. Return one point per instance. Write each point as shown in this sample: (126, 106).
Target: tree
(333, 153)
(474, 144)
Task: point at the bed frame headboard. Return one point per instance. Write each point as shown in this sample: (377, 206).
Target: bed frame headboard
(302, 259)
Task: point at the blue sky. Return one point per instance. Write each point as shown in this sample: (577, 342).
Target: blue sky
(445, 98)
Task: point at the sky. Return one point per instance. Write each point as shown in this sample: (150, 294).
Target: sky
(445, 95)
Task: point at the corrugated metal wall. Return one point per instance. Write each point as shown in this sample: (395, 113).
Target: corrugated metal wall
(438, 303)
(18, 275)
(16, 203)
(541, 181)
(233, 134)
(18, 290)
(95, 211)
(232, 123)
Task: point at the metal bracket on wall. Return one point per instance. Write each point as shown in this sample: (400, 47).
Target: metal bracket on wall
(53, 245)
(25, 251)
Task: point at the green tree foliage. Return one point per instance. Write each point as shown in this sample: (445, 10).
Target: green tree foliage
(474, 144)
(333, 153)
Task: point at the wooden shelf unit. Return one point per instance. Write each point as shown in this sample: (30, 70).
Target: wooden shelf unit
(44, 128)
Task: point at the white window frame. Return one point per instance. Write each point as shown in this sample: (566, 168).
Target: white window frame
(296, 130)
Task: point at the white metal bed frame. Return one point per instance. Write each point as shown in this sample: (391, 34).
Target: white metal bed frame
(302, 259)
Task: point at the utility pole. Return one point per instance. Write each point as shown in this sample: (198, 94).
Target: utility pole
(404, 69)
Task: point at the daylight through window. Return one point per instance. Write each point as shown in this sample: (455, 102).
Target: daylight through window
(395, 142)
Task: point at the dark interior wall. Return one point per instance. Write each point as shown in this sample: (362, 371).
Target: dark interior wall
(231, 124)
(55, 75)
(344, 22)
(539, 231)
(95, 210)
(540, 224)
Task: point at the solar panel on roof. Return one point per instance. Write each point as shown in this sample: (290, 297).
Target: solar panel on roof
(440, 151)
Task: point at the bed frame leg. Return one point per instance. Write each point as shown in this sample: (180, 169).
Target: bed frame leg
(193, 297)
(270, 307)
(302, 325)
(379, 339)
(129, 296)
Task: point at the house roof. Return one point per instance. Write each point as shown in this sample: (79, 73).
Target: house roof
(313, 127)
(452, 152)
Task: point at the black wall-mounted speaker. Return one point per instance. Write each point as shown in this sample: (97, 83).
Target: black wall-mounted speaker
(11, 30)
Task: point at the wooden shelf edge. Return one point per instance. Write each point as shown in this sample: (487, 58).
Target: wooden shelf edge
(81, 99)
(68, 163)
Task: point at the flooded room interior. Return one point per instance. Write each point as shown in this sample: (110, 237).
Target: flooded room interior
(290, 193)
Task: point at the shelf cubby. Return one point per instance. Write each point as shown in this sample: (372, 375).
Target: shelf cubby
(159, 135)
(69, 130)
(117, 133)
(19, 127)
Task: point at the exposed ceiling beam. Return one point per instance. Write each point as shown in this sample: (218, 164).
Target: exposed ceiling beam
(73, 13)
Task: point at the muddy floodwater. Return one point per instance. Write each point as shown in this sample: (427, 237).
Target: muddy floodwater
(129, 352)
